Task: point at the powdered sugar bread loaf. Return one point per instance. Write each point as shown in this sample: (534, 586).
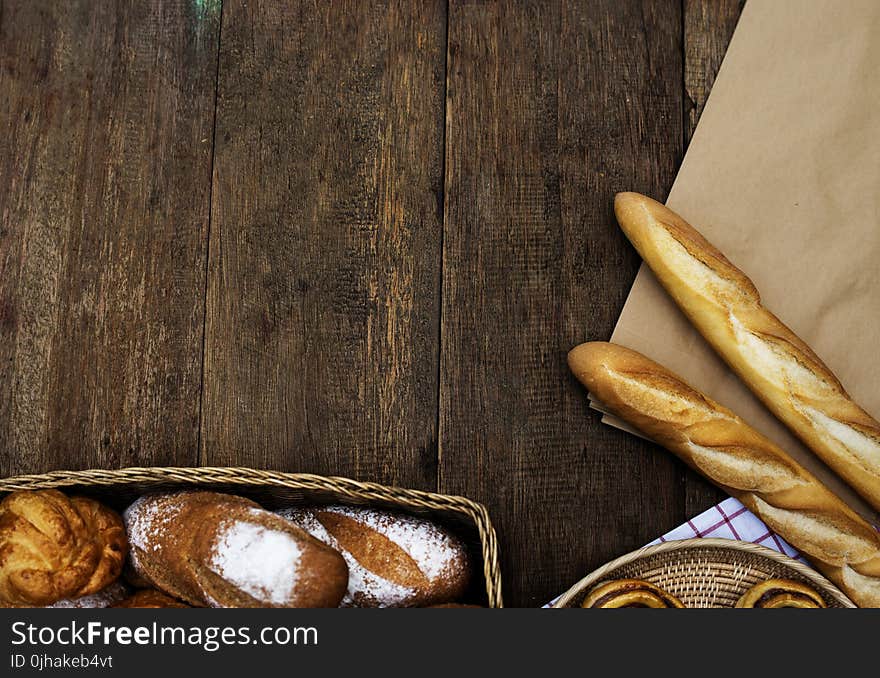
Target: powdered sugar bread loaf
(715, 442)
(394, 560)
(788, 377)
(220, 550)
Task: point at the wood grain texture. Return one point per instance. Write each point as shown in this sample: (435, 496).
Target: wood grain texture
(551, 108)
(708, 27)
(332, 222)
(323, 292)
(105, 150)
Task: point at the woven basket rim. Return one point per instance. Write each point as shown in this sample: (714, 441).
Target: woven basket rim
(245, 476)
(230, 474)
(710, 543)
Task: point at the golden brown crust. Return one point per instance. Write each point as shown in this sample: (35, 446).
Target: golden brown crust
(785, 373)
(778, 593)
(219, 550)
(107, 525)
(150, 598)
(53, 547)
(630, 593)
(394, 560)
(717, 443)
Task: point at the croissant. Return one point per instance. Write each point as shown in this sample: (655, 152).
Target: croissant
(54, 547)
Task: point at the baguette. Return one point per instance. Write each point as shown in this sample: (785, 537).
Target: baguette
(787, 376)
(718, 444)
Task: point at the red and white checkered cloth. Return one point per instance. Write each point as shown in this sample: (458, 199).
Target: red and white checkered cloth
(728, 520)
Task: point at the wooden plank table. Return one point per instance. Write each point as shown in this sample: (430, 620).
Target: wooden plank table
(352, 238)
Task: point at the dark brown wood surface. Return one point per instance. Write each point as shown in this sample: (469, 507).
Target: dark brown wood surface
(543, 128)
(321, 342)
(105, 153)
(352, 238)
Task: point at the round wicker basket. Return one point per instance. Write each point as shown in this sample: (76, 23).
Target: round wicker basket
(705, 573)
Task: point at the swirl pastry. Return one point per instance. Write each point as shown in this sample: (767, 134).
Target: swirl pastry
(53, 547)
(718, 444)
(630, 593)
(776, 593)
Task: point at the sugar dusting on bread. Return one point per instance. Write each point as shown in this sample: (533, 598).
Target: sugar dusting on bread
(364, 586)
(102, 599)
(261, 562)
(148, 516)
(431, 548)
(435, 552)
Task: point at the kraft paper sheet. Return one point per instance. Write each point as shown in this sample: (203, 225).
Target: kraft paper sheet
(783, 176)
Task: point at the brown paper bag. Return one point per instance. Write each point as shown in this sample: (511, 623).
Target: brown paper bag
(783, 176)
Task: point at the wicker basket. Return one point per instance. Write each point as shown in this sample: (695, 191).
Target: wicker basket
(705, 572)
(275, 490)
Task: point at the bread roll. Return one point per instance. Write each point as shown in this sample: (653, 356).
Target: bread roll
(53, 547)
(150, 598)
(775, 364)
(717, 443)
(219, 550)
(393, 560)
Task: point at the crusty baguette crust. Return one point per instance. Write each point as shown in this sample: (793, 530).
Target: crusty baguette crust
(788, 377)
(718, 444)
